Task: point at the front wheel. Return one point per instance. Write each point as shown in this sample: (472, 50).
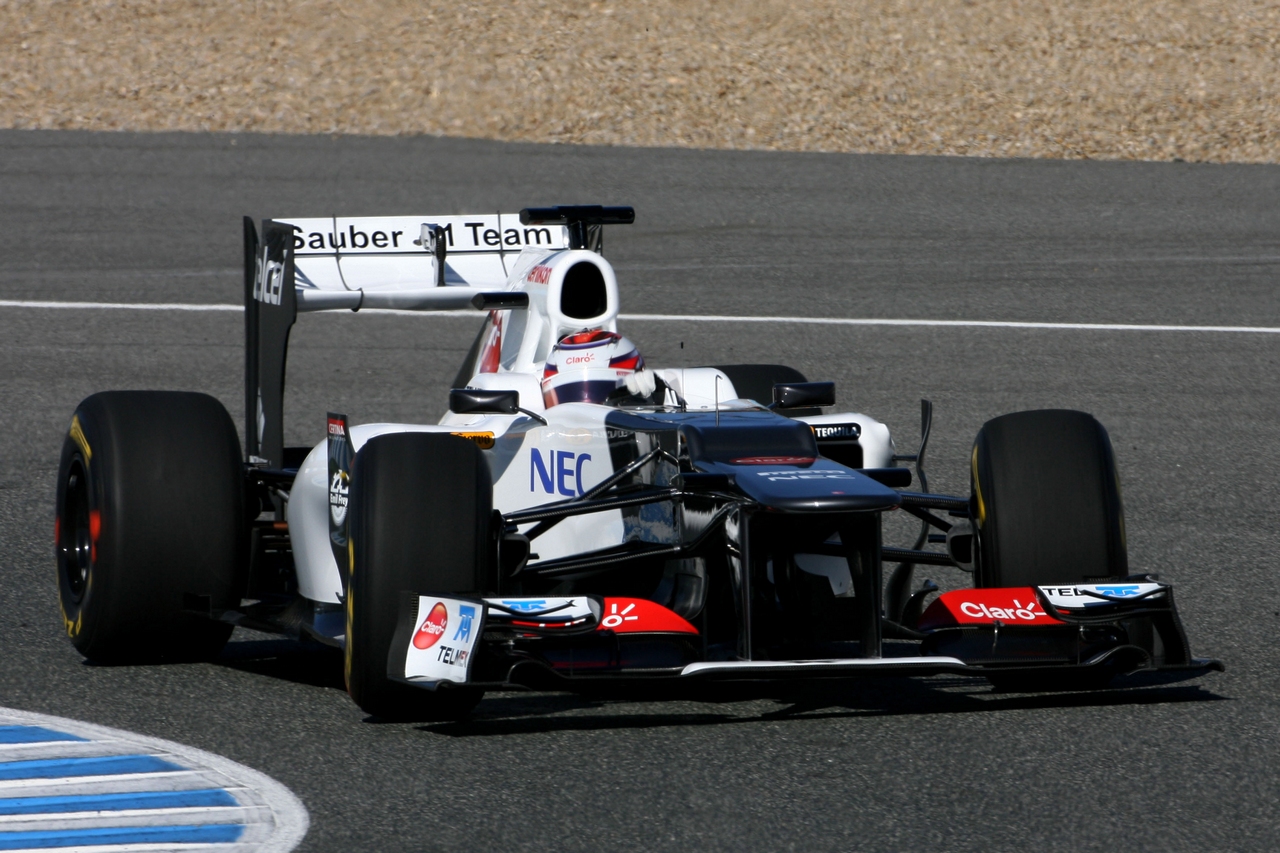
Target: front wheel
(1047, 505)
(421, 522)
(1047, 499)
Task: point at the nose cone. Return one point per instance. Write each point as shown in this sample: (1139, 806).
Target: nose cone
(791, 484)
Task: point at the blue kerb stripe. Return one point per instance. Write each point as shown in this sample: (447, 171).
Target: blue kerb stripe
(116, 802)
(109, 765)
(33, 734)
(206, 834)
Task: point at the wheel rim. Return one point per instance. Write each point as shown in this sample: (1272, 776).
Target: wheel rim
(75, 538)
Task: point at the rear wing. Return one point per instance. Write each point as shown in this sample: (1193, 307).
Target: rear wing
(388, 252)
(415, 263)
(441, 263)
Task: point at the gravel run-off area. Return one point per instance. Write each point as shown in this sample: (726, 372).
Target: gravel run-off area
(1119, 79)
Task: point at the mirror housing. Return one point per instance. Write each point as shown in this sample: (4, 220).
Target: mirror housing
(480, 401)
(799, 395)
(476, 401)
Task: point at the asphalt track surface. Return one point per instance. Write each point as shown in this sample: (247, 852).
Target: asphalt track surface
(941, 764)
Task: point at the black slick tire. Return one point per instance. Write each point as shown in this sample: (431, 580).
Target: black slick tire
(150, 529)
(1047, 501)
(421, 522)
(756, 381)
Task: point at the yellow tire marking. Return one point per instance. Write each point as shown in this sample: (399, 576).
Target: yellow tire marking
(977, 488)
(349, 611)
(77, 435)
(73, 628)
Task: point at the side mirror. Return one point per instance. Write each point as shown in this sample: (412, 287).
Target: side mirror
(799, 395)
(478, 401)
(474, 401)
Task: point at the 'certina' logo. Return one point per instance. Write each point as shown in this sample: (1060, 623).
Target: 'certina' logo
(540, 274)
(268, 279)
(1019, 611)
(432, 627)
(335, 427)
(482, 440)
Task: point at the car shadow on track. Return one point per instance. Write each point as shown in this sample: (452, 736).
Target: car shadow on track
(505, 714)
(298, 661)
(656, 705)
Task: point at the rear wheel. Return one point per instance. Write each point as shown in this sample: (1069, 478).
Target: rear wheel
(150, 528)
(1047, 498)
(756, 381)
(421, 521)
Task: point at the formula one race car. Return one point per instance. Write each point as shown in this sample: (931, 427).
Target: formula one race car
(579, 516)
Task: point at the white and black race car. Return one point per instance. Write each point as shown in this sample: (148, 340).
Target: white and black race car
(579, 516)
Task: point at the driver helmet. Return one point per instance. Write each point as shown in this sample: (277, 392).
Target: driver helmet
(588, 367)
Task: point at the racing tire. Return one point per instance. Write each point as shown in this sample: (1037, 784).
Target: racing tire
(1046, 497)
(150, 532)
(421, 522)
(756, 381)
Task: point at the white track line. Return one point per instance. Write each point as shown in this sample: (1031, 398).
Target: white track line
(700, 318)
(88, 783)
(135, 848)
(118, 306)
(981, 324)
(129, 817)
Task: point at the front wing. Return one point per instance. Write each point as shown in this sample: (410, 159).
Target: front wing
(1067, 633)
